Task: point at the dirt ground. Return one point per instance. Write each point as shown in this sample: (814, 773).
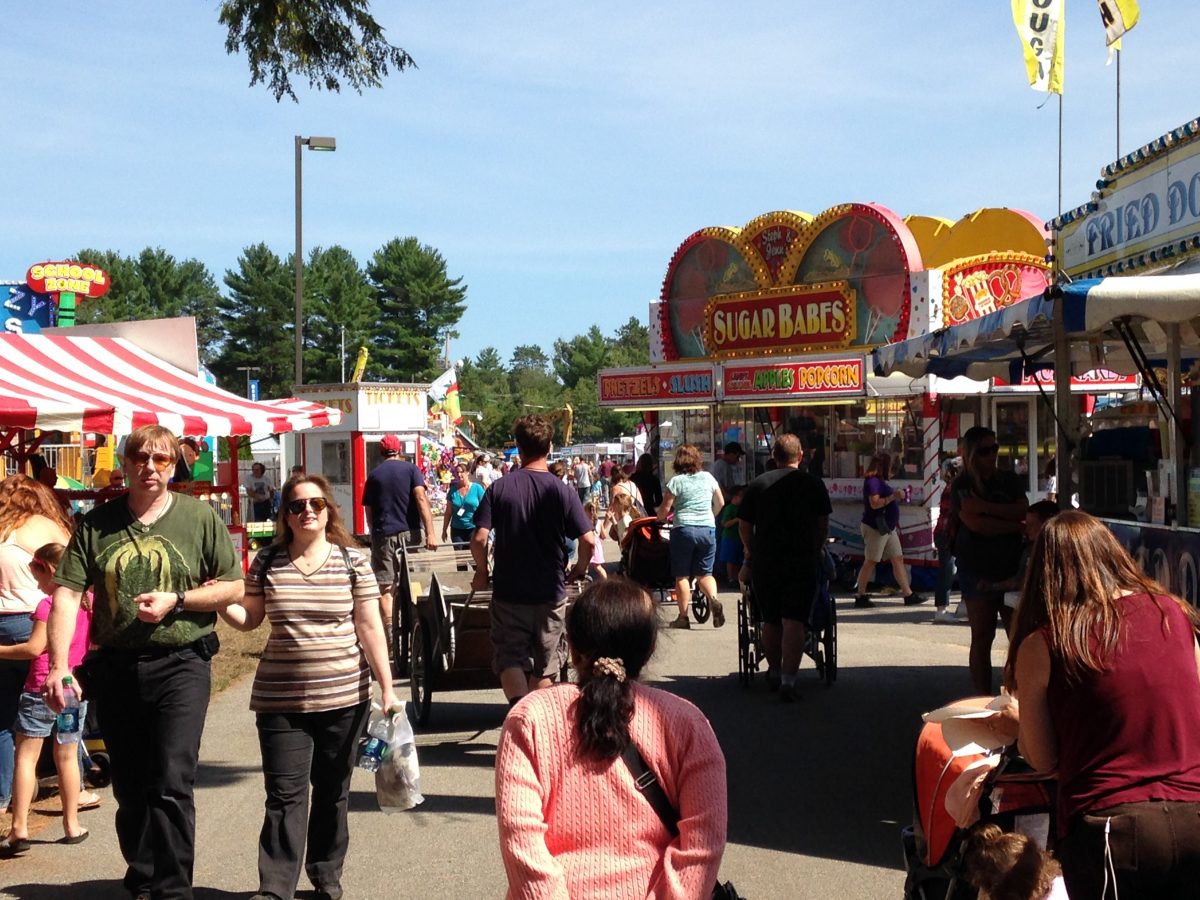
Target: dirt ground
(238, 656)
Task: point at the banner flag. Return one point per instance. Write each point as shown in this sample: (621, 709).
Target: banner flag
(1041, 28)
(1118, 17)
(444, 392)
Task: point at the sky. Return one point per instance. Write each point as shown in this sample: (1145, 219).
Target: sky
(556, 154)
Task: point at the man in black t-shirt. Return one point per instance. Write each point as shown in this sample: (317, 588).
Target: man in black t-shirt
(532, 512)
(784, 521)
(392, 489)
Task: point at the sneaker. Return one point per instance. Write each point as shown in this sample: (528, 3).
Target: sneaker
(943, 616)
(329, 892)
(960, 612)
(914, 599)
(718, 613)
(681, 622)
(788, 693)
(862, 601)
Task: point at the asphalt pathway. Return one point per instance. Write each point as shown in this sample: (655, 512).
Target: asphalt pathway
(818, 790)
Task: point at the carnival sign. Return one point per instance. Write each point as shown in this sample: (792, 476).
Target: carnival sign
(67, 278)
(810, 379)
(668, 387)
(802, 317)
(984, 284)
(1094, 381)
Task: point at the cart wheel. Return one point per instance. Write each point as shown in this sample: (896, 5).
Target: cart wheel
(829, 644)
(100, 773)
(700, 606)
(743, 621)
(421, 676)
(400, 639)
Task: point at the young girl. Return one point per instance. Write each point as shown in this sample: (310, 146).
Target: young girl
(35, 720)
(618, 517)
(596, 566)
(729, 551)
(1006, 865)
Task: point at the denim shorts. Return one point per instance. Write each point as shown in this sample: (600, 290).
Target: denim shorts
(693, 550)
(35, 719)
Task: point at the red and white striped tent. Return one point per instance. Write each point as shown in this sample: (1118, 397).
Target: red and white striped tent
(110, 385)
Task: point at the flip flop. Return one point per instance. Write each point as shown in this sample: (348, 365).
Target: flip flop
(89, 800)
(77, 839)
(11, 846)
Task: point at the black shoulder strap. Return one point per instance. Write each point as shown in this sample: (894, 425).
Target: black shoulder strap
(647, 783)
(349, 568)
(267, 556)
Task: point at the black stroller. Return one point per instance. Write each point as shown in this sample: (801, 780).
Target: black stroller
(646, 558)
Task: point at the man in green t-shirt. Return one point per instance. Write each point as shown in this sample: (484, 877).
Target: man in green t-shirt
(159, 565)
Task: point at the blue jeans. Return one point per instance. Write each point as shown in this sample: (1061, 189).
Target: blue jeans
(15, 628)
(945, 579)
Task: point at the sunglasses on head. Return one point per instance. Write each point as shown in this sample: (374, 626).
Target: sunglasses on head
(295, 507)
(987, 451)
(142, 458)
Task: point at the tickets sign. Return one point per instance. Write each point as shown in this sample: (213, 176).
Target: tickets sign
(811, 379)
(798, 318)
(668, 387)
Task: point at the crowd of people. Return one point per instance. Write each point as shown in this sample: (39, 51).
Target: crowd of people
(1104, 663)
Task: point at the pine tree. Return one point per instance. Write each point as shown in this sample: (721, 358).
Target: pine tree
(337, 297)
(258, 318)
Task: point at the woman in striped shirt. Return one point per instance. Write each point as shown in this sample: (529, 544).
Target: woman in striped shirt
(310, 693)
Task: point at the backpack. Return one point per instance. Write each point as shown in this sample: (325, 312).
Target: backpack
(270, 551)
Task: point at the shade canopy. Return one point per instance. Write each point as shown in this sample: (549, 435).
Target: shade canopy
(109, 385)
(1021, 336)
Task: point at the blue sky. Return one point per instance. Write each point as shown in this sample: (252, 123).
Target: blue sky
(557, 153)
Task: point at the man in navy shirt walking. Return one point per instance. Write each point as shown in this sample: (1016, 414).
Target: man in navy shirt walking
(395, 490)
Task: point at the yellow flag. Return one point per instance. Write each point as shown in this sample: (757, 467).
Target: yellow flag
(1041, 29)
(1118, 17)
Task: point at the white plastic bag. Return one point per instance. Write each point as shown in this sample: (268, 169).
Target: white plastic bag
(398, 778)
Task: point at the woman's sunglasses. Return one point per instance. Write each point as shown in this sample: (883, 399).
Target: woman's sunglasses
(295, 507)
(987, 451)
(142, 458)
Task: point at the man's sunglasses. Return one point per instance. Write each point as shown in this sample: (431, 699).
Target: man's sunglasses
(142, 458)
(318, 504)
(987, 451)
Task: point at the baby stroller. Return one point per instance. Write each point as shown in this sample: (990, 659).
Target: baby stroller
(646, 558)
(1012, 796)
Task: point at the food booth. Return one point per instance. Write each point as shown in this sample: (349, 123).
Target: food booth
(1128, 303)
(767, 328)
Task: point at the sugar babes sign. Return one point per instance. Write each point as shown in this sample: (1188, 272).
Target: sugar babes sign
(810, 379)
(798, 318)
(667, 387)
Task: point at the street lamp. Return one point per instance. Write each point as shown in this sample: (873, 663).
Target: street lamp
(312, 143)
(248, 370)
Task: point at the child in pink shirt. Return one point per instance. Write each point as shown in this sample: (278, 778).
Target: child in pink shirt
(35, 720)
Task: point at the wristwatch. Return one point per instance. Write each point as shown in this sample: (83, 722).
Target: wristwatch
(178, 602)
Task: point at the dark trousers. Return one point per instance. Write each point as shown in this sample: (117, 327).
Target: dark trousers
(299, 750)
(1154, 849)
(15, 628)
(152, 711)
(945, 578)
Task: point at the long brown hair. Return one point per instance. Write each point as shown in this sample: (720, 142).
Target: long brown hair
(687, 460)
(21, 498)
(1007, 865)
(1076, 570)
(880, 466)
(335, 529)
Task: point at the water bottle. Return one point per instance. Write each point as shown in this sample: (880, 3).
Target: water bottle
(67, 723)
(374, 746)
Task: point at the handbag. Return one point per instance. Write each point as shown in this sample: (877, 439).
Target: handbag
(881, 523)
(649, 787)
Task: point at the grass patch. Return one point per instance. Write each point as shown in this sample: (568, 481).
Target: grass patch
(239, 654)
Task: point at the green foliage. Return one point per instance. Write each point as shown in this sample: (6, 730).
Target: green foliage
(418, 306)
(336, 297)
(325, 41)
(581, 357)
(258, 318)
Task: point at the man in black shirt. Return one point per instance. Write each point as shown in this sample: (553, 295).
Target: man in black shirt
(784, 521)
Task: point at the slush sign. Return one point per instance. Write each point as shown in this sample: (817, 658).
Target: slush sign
(647, 388)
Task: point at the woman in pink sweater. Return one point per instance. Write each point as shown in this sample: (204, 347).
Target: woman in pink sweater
(572, 822)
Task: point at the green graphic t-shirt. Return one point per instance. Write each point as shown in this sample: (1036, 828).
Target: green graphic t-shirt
(118, 558)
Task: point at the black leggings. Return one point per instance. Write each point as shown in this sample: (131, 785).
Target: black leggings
(1154, 849)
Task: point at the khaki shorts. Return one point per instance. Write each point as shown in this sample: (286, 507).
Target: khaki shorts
(529, 637)
(881, 546)
(386, 550)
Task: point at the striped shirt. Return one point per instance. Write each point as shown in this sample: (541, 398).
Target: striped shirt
(312, 661)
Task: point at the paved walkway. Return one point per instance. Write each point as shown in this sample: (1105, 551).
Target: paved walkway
(818, 790)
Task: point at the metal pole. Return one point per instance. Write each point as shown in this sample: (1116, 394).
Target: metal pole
(1175, 397)
(343, 328)
(299, 266)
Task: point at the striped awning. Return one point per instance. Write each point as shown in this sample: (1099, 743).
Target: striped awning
(111, 386)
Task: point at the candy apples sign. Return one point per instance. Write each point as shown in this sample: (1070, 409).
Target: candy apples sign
(811, 380)
(799, 318)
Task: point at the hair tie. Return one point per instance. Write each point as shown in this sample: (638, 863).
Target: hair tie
(608, 666)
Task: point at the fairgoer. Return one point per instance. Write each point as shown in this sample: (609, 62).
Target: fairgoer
(310, 692)
(260, 491)
(784, 522)
(600, 837)
(696, 499)
(394, 489)
(160, 565)
(1104, 662)
(881, 533)
(727, 468)
(531, 512)
(645, 476)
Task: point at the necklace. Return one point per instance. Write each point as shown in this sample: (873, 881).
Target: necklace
(307, 575)
(144, 527)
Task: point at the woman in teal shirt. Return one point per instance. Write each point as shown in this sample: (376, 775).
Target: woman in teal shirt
(461, 502)
(696, 499)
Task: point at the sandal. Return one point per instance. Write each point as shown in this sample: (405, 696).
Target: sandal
(75, 839)
(89, 800)
(11, 846)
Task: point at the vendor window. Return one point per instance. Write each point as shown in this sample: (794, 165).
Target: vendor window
(335, 461)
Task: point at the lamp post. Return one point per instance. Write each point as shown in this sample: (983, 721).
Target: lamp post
(248, 370)
(312, 143)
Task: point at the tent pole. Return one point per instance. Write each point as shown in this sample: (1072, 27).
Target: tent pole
(1175, 397)
(235, 451)
(1064, 443)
